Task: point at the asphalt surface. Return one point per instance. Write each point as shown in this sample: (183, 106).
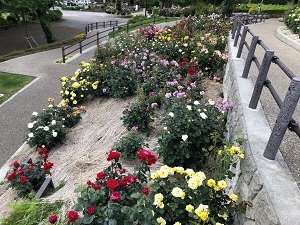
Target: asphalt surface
(291, 58)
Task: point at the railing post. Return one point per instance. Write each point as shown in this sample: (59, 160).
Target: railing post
(236, 18)
(242, 42)
(86, 32)
(154, 19)
(261, 79)
(96, 25)
(232, 29)
(92, 27)
(109, 23)
(103, 24)
(250, 56)
(237, 34)
(97, 38)
(113, 32)
(80, 46)
(286, 112)
(141, 22)
(117, 22)
(166, 19)
(63, 54)
(127, 27)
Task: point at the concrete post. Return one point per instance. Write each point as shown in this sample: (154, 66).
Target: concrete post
(250, 56)
(261, 79)
(242, 42)
(238, 32)
(286, 112)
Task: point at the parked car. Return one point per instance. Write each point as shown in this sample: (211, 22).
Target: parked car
(72, 4)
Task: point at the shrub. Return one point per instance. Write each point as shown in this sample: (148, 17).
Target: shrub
(185, 196)
(26, 178)
(137, 18)
(50, 127)
(188, 130)
(54, 15)
(292, 19)
(115, 197)
(129, 144)
(138, 116)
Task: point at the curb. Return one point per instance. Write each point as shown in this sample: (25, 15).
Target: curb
(286, 39)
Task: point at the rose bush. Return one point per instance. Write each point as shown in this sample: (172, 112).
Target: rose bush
(115, 197)
(27, 178)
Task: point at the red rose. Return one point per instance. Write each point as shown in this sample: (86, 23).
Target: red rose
(191, 71)
(130, 179)
(53, 218)
(11, 176)
(89, 183)
(122, 171)
(182, 64)
(112, 184)
(46, 156)
(200, 65)
(143, 154)
(113, 155)
(16, 164)
(23, 179)
(123, 183)
(73, 216)
(146, 191)
(91, 210)
(115, 196)
(101, 175)
(97, 186)
(47, 165)
(42, 151)
(151, 160)
(20, 172)
(30, 168)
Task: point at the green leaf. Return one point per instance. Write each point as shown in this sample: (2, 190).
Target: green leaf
(88, 219)
(135, 195)
(77, 207)
(112, 222)
(125, 209)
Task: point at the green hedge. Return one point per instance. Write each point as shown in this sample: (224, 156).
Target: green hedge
(72, 7)
(265, 8)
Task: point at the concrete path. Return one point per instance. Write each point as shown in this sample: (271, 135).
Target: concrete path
(291, 58)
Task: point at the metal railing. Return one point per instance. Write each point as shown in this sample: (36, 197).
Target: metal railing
(288, 105)
(103, 34)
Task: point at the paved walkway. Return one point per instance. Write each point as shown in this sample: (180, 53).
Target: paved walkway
(291, 58)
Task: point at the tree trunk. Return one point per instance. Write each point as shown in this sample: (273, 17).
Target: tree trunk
(46, 28)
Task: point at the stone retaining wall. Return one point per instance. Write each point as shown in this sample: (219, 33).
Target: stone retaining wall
(267, 184)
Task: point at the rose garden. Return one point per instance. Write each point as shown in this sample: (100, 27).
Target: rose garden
(164, 74)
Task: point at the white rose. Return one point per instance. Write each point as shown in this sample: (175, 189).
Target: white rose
(53, 122)
(203, 115)
(184, 137)
(34, 113)
(189, 107)
(54, 133)
(30, 125)
(196, 103)
(30, 135)
(171, 114)
(46, 128)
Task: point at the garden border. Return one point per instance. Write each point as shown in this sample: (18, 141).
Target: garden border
(267, 184)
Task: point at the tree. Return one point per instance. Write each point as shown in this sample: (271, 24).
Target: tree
(227, 8)
(25, 9)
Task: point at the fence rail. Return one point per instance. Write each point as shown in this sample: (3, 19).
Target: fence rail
(113, 27)
(288, 105)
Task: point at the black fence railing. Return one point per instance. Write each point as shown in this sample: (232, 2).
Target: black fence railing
(114, 26)
(288, 105)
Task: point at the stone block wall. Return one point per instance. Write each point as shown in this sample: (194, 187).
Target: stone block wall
(266, 184)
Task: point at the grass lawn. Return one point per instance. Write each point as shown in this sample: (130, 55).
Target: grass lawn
(11, 83)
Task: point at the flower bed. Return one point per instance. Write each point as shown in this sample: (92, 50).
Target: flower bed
(165, 69)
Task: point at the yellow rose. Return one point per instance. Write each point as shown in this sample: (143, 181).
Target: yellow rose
(211, 183)
(160, 205)
(222, 184)
(193, 183)
(189, 208)
(161, 221)
(177, 192)
(233, 197)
